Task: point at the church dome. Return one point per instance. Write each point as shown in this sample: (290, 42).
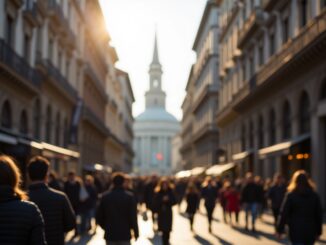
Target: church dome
(156, 114)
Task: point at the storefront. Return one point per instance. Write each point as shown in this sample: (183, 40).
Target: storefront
(22, 149)
(287, 157)
(245, 162)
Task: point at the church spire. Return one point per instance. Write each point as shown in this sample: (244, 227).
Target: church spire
(155, 60)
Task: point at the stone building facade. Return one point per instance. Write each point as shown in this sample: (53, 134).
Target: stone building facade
(273, 87)
(199, 129)
(53, 70)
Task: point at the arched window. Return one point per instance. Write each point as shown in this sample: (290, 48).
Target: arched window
(272, 127)
(243, 138)
(323, 90)
(48, 124)
(23, 123)
(251, 135)
(304, 113)
(6, 119)
(286, 121)
(260, 132)
(65, 133)
(37, 119)
(57, 128)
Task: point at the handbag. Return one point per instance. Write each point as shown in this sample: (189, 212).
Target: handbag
(83, 194)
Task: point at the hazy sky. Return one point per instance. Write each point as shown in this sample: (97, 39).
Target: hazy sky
(131, 24)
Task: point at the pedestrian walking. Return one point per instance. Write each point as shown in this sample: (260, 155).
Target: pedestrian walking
(55, 207)
(301, 211)
(232, 197)
(87, 207)
(117, 213)
(164, 200)
(72, 189)
(223, 200)
(53, 182)
(149, 197)
(193, 200)
(276, 195)
(209, 193)
(250, 198)
(21, 222)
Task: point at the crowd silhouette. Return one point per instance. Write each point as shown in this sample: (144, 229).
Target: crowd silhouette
(51, 206)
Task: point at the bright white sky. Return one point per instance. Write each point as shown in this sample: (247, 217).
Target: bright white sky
(131, 24)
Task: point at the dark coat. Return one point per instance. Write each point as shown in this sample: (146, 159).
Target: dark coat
(55, 184)
(210, 194)
(90, 202)
(56, 209)
(192, 202)
(21, 222)
(164, 209)
(252, 193)
(117, 215)
(276, 194)
(149, 195)
(302, 212)
(72, 191)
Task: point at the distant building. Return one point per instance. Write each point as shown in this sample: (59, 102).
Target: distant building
(155, 127)
(272, 107)
(199, 129)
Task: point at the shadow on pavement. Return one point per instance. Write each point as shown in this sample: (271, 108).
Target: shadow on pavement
(221, 240)
(202, 240)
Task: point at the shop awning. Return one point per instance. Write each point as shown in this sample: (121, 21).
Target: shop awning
(219, 169)
(282, 148)
(8, 139)
(183, 174)
(197, 171)
(97, 167)
(242, 155)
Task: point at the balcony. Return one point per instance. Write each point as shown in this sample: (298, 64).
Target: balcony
(92, 118)
(58, 80)
(204, 94)
(300, 47)
(55, 12)
(30, 12)
(208, 129)
(268, 4)
(98, 84)
(251, 24)
(228, 112)
(18, 65)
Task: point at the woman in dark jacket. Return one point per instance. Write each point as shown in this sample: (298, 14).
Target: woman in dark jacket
(192, 198)
(209, 193)
(21, 221)
(164, 200)
(301, 211)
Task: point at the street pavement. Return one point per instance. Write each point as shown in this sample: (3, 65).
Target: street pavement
(222, 233)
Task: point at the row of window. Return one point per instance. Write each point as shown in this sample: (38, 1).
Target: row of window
(270, 124)
(52, 123)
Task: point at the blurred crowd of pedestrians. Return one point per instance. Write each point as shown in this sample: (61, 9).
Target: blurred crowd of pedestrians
(52, 206)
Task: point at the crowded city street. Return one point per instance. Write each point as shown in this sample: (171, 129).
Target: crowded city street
(222, 234)
(162, 122)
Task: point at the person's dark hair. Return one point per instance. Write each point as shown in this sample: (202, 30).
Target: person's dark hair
(37, 168)
(71, 173)
(10, 176)
(118, 179)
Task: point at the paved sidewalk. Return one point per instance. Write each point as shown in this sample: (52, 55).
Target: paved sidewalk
(223, 234)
